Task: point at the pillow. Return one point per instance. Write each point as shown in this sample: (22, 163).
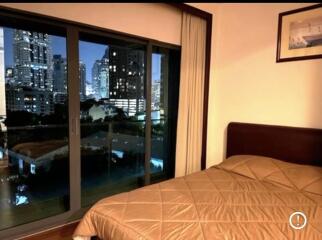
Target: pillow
(301, 177)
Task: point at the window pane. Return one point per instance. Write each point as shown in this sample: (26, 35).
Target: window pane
(34, 155)
(112, 93)
(164, 107)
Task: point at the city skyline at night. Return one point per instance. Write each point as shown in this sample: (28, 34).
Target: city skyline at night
(90, 51)
(38, 62)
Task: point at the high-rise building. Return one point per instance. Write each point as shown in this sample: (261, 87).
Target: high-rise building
(29, 99)
(89, 91)
(9, 76)
(95, 79)
(59, 74)
(104, 75)
(129, 106)
(126, 73)
(32, 59)
(155, 95)
(100, 76)
(82, 79)
(126, 76)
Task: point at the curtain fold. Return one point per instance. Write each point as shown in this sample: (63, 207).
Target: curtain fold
(191, 95)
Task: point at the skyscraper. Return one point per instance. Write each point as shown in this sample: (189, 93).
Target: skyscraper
(32, 59)
(59, 74)
(155, 95)
(95, 79)
(126, 76)
(82, 79)
(29, 99)
(104, 75)
(100, 76)
(126, 73)
(9, 77)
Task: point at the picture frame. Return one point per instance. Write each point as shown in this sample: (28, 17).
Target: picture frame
(300, 34)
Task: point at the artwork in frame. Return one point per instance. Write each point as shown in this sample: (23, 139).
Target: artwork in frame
(300, 34)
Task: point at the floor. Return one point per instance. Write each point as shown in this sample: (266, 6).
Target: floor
(62, 233)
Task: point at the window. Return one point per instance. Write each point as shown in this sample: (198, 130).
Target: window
(113, 115)
(112, 132)
(34, 159)
(164, 106)
(122, 90)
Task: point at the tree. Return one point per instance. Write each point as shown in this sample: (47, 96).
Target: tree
(59, 116)
(21, 118)
(87, 104)
(120, 115)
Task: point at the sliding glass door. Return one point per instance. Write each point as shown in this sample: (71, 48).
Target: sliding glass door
(84, 113)
(112, 108)
(164, 106)
(34, 152)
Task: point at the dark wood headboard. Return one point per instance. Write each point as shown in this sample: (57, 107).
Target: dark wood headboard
(291, 144)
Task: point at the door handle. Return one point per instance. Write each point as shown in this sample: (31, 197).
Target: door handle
(75, 126)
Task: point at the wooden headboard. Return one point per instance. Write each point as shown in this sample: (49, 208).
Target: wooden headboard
(291, 144)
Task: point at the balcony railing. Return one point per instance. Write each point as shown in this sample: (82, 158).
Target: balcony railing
(112, 137)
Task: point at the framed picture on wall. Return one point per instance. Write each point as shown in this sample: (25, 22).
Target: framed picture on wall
(300, 34)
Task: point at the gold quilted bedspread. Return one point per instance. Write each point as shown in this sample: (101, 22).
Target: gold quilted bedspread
(245, 197)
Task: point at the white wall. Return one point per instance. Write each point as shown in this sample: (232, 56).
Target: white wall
(246, 84)
(156, 21)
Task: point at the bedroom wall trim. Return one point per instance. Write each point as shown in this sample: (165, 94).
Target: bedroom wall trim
(208, 17)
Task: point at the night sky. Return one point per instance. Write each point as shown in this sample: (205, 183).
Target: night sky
(88, 52)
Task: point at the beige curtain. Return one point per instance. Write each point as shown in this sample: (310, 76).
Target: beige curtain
(192, 77)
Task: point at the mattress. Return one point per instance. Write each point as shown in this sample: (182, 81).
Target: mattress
(245, 197)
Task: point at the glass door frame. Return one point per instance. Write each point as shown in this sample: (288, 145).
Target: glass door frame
(15, 18)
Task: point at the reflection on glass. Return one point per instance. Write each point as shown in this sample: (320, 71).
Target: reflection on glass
(34, 162)
(164, 105)
(112, 118)
(159, 106)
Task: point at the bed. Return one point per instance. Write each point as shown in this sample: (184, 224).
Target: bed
(270, 173)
